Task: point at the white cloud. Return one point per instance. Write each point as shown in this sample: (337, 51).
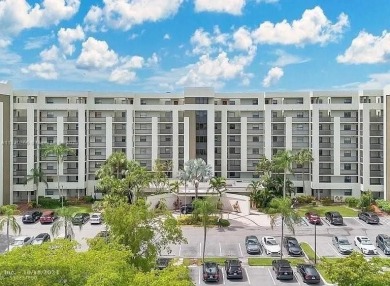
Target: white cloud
(167, 37)
(36, 42)
(233, 7)
(267, 1)
(122, 76)
(377, 81)
(242, 39)
(273, 76)
(50, 54)
(201, 40)
(42, 70)
(367, 49)
(96, 55)
(153, 60)
(17, 15)
(123, 14)
(134, 62)
(66, 38)
(313, 27)
(4, 43)
(285, 59)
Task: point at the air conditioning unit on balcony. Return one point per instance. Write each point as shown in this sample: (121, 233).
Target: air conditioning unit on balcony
(338, 199)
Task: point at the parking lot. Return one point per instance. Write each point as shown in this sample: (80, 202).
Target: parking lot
(253, 275)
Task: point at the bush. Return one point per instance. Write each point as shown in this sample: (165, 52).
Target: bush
(304, 200)
(326, 201)
(192, 220)
(352, 202)
(383, 205)
(224, 222)
(49, 203)
(88, 199)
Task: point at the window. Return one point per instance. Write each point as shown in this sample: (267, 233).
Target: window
(347, 153)
(255, 127)
(256, 151)
(275, 127)
(98, 127)
(201, 100)
(167, 139)
(167, 126)
(274, 101)
(274, 114)
(50, 128)
(320, 139)
(267, 101)
(98, 114)
(143, 114)
(255, 102)
(347, 179)
(255, 138)
(232, 150)
(142, 151)
(232, 139)
(347, 114)
(49, 192)
(300, 190)
(348, 100)
(50, 115)
(320, 126)
(98, 152)
(142, 138)
(347, 192)
(175, 102)
(274, 139)
(300, 127)
(347, 140)
(347, 166)
(232, 102)
(256, 114)
(299, 100)
(300, 139)
(50, 167)
(143, 102)
(98, 139)
(300, 114)
(232, 126)
(347, 127)
(50, 140)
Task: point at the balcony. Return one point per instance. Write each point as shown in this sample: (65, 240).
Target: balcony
(348, 132)
(376, 119)
(20, 159)
(349, 159)
(349, 145)
(326, 158)
(234, 156)
(376, 160)
(326, 119)
(72, 144)
(376, 174)
(256, 119)
(323, 179)
(234, 131)
(278, 132)
(97, 119)
(71, 132)
(165, 119)
(233, 119)
(71, 158)
(97, 157)
(326, 145)
(143, 119)
(233, 168)
(165, 156)
(326, 171)
(277, 119)
(348, 172)
(326, 132)
(278, 144)
(300, 119)
(233, 143)
(71, 119)
(20, 132)
(49, 171)
(20, 146)
(120, 131)
(48, 119)
(165, 131)
(48, 132)
(97, 144)
(119, 144)
(20, 119)
(119, 119)
(71, 171)
(376, 146)
(300, 132)
(349, 119)
(165, 143)
(376, 132)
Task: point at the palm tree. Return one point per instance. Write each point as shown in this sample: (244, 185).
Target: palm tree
(302, 157)
(283, 161)
(255, 187)
(37, 176)
(265, 166)
(197, 171)
(9, 221)
(205, 208)
(65, 220)
(218, 184)
(59, 151)
(184, 177)
(281, 207)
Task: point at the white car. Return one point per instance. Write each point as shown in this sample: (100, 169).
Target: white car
(270, 245)
(96, 218)
(365, 245)
(21, 241)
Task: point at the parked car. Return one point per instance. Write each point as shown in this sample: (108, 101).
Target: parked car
(21, 241)
(48, 217)
(252, 245)
(210, 272)
(270, 245)
(233, 269)
(383, 243)
(334, 218)
(282, 269)
(368, 217)
(80, 218)
(41, 238)
(96, 218)
(162, 262)
(342, 244)
(365, 245)
(187, 209)
(309, 273)
(31, 217)
(313, 218)
(292, 246)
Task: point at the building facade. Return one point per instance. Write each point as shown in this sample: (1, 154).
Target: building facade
(230, 131)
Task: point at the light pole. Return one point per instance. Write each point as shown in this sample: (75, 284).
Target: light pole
(62, 196)
(315, 243)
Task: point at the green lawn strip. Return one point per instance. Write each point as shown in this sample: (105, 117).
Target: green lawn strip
(79, 209)
(267, 261)
(309, 251)
(198, 261)
(345, 211)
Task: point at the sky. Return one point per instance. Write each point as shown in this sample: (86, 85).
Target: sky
(168, 45)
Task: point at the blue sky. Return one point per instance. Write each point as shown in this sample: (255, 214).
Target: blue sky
(167, 45)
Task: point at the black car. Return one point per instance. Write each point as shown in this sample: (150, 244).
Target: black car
(31, 217)
(282, 269)
(292, 246)
(162, 262)
(309, 273)
(187, 209)
(41, 238)
(80, 218)
(383, 243)
(334, 218)
(368, 217)
(210, 272)
(233, 268)
(252, 245)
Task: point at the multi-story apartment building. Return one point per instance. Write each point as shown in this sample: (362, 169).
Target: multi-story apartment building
(230, 131)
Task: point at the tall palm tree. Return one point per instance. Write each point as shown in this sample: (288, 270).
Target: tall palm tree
(283, 161)
(218, 184)
(265, 166)
(302, 157)
(205, 208)
(198, 171)
(255, 187)
(59, 151)
(281, 207)
(37, 176)
(64, 221)
(8, 220)
(184, 177)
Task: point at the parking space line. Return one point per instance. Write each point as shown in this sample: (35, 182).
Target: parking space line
(333, 248)
(220, 249)
(239, 246)
(247, 276)
(325, 221)
(358, 220)
(223, 275)
(273, 280)
(199, 275)
(200, 249)
(296, 277)
(180, 250)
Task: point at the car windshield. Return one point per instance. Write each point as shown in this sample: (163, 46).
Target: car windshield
(252, 241)
(78, 216)
(293, 242)
(344, 242)
(387, 241)
(271, 242)
(211, 269)
(37, 241)
(95, 216)
(366, 242)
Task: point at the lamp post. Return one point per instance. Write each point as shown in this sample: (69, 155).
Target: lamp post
(315, 243)
(62, 196)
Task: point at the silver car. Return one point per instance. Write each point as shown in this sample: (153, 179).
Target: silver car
(342, 244)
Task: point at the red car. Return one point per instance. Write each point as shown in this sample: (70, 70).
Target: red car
(48, 217)
(313, 218)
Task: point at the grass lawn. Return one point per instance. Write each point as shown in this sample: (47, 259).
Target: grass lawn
(320, 210)
(79, 209)
(198, 261)
(309, 251)
(267, 261)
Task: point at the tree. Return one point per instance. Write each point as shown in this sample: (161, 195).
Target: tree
(218, 185)
(302, 157)
(64, 221)
(59, 151)
(283, 161)
(282, 207)
(159, 176)
(205, 208)
(37, 176)
(265, 167)
(184, 177)
(9, 222)
(173, 276)
(144, 232)
(366, 200)
(197, 171)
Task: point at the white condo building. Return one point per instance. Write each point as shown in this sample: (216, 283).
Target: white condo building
(230, 131)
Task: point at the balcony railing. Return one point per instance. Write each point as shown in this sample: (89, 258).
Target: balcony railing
(376, 132)
(376, 160)
(20, 119)
(20, 132)
(71, 119)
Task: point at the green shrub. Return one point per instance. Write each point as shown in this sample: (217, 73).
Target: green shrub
(193, 220)
(88, 199)
(352, 202)
(304, 200)
(224, 222)
(49, 203)
(383, 205)
(326, 201)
